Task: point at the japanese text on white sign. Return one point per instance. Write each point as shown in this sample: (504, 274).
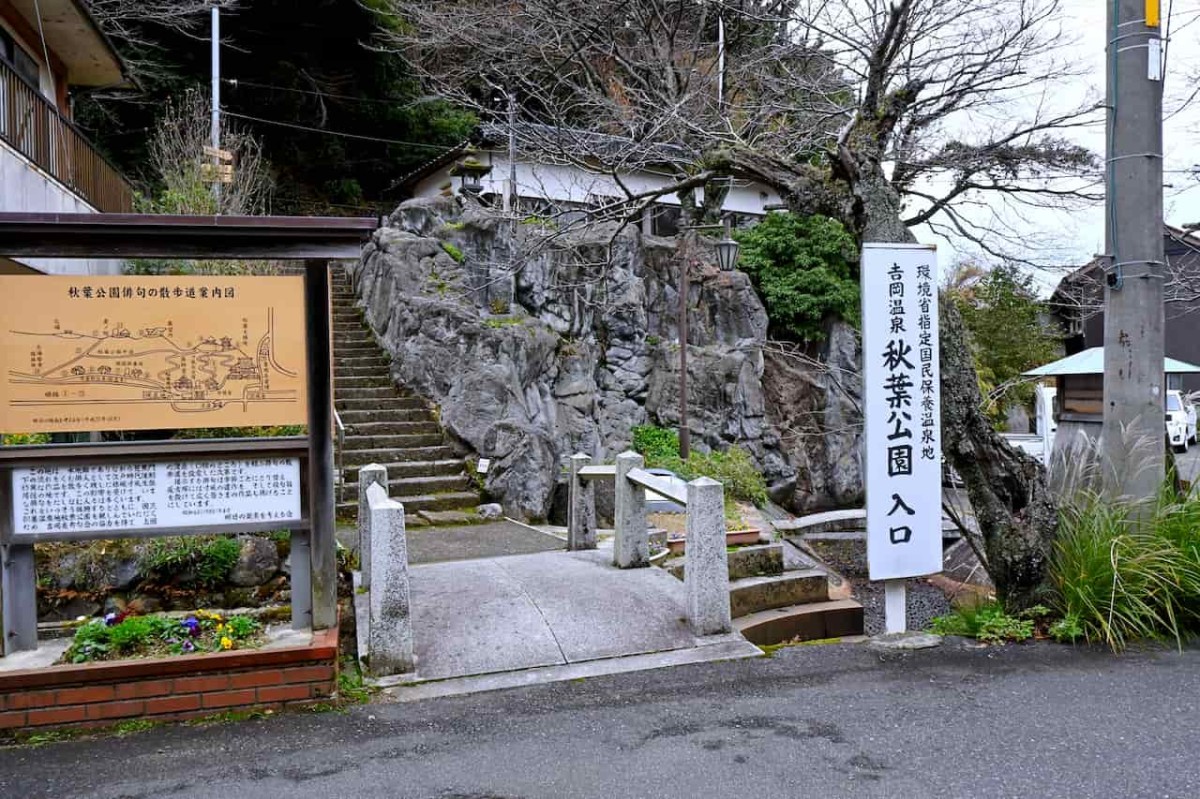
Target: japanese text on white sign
(166, 495)
(902, 410)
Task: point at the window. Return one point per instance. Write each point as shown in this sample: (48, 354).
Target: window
(1173, 403)
(15, 56)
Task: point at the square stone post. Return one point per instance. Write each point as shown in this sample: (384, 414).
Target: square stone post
(706, 575)
(369, 475)
(390, 641)
(581, 510)
(631, 545)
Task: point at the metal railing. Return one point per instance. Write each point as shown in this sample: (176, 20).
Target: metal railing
(341, 447)
(33, 126)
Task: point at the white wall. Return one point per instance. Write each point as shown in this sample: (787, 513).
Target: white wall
(24, 187)
(568, 183)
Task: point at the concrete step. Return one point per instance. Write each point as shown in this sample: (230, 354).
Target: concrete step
(454, 500)
(809, 622)
(358, 362)
(355, 339)
(754, 594)
(375, 379)
(387, 392)
(355, 457)
(380, 403)
(355, 349)
(355, 418)
(435, 453)
(377, 371)
(401, 487)
(446, 467)
(394, 440)
(384, 429)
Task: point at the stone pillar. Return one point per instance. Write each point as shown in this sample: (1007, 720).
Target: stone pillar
(390, 642)
(631, 547)
(581, 511)
(706, 576)
(369, 475)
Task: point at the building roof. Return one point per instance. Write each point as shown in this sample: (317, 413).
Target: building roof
(72, 35)
(1091, 362)
(552, 142)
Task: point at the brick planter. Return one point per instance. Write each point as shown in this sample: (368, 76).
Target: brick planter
(93, 694)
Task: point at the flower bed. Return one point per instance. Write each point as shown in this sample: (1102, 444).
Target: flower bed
(120, 636)
(174, 687)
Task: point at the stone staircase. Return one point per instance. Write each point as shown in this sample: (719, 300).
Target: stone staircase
(391, 427)
(778, 593)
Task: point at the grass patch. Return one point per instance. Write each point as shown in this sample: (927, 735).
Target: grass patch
(453, 251)
(1122, 575)
(201, 560)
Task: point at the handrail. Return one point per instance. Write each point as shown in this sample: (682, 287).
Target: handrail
(341, 446)
(657, 485)
(32, 125)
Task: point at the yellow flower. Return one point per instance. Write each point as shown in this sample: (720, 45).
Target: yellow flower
(220, 628)
(226, 642)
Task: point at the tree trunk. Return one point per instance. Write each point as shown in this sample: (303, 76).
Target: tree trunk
(1008, 489)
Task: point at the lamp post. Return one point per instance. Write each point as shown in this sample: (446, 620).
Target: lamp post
(727, 255)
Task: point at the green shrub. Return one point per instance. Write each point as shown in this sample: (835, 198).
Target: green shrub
(275, 431)
(1122, 577)
(986, 622)
(24, 439)
(732, 467)
(655, 443)
(453, 251)
(206, 560)
(805, 270)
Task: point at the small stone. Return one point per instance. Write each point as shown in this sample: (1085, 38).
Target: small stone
(491, 510)
(257, 562)
(447, 517)
(906, 641)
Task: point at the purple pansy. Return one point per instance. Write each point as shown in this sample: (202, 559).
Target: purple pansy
(192, 626)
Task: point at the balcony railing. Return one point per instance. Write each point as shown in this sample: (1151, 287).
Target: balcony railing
(30, 124)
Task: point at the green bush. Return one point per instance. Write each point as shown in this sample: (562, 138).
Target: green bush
(206, 560)
(986, 622)
(244, 432)
(1121, 575)
(732, 467)
(23, 439)
(805, 270)
(655, 443)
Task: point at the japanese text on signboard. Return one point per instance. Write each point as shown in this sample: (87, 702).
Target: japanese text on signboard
(903, 451)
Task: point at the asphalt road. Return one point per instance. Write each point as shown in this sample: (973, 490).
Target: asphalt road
(831, 721)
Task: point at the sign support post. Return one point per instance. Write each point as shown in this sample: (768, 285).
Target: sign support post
(320, 444)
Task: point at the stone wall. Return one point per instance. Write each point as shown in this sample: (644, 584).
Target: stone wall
(538, 342)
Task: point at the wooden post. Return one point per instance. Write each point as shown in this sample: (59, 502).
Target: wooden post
(19, 585)
(320, 444)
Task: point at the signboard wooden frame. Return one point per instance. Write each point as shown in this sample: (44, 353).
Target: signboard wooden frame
(313, 240)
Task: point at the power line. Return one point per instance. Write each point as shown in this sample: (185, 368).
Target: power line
(238, 82)
(440, 148)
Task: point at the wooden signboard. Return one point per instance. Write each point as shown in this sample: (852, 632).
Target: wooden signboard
(93, 353)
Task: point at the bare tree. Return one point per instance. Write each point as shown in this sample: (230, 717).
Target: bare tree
(885, 114)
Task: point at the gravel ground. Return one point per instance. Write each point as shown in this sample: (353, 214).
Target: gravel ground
(924, 602)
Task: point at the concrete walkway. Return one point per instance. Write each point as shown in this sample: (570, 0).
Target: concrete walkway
(495, 615)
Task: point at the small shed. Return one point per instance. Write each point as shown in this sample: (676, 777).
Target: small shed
(1080, 380)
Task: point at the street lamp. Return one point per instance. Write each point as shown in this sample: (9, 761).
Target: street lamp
(727, 250)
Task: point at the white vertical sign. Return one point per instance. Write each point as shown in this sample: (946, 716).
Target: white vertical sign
(902, 410)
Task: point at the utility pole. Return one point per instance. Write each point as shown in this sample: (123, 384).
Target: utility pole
(684, 436)
(1133, 318)
(216, 103)
(510, 196)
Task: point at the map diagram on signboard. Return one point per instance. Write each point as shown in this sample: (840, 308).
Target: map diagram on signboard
(183, 362)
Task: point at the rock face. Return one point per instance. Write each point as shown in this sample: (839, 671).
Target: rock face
(257, 562)
(816, 403)
(537, 343)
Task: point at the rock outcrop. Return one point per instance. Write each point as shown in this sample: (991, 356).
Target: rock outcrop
(538, 342)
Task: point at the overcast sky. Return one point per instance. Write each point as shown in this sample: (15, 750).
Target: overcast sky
(1073, 238)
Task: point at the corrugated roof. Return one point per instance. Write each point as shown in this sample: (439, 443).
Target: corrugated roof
(1091, 362)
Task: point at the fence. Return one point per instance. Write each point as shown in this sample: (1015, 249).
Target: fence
(706, 577)
(33, 126)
